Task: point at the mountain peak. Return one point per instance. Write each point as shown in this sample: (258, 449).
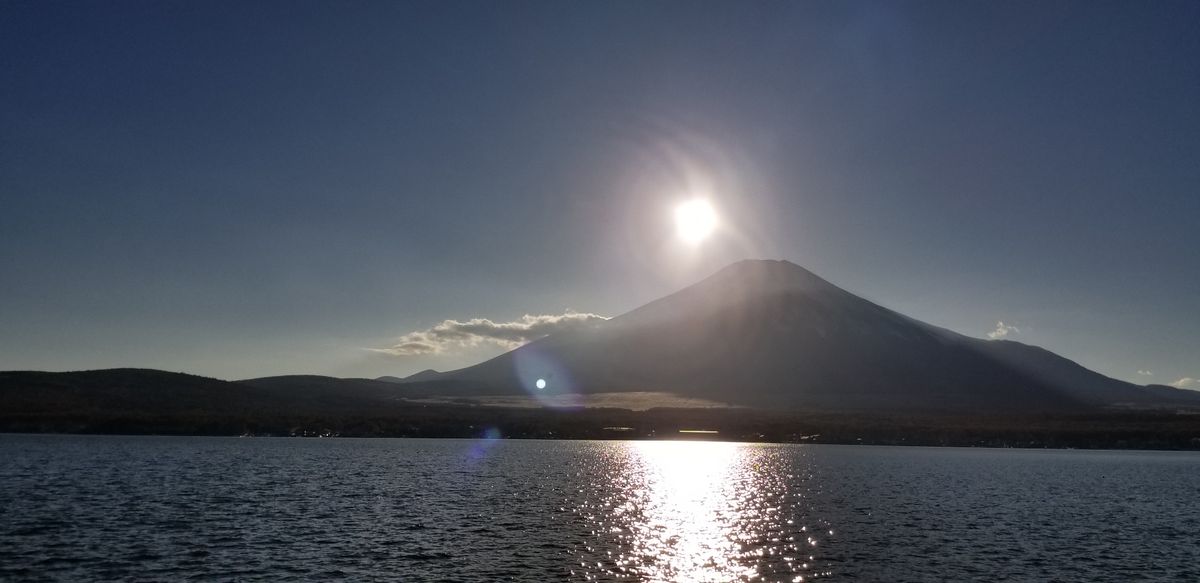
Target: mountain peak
(768, 275)
(425, 375)
(740, 283)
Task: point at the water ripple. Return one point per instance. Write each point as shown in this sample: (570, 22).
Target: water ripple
(149, 509)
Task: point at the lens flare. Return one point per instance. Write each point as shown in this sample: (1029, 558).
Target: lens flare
(544, 378)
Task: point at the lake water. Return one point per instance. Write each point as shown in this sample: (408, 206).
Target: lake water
(221, 509)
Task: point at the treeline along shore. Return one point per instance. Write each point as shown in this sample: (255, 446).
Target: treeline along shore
(1098, 431)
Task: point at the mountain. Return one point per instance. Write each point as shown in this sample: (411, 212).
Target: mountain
(132, 391)
(128, 390)
(426, 375)
(772, 334)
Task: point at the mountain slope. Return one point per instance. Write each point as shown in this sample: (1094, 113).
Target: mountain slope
(772, 334)
(127, 390)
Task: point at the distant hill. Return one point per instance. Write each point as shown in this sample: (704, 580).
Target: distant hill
(772, 334)
(144, 393)
(130, 390)
(426, 375)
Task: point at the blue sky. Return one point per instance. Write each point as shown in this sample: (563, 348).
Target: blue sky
(242, 189)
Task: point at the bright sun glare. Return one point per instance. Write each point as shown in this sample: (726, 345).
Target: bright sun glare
(695, 220)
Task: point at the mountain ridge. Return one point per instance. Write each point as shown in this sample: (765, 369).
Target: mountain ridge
(770, 333)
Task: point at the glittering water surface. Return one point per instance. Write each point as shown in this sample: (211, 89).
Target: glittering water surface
(159, 508)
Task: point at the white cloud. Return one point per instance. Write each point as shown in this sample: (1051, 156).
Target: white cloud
(1186, 383)
(451, 334)
(1002, 330)
(1145, 373)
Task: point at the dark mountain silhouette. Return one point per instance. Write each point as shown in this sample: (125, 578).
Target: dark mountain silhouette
(132, 390)
(426, 375)
(772, 334)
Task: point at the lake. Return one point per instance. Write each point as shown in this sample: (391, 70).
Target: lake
(277, 509)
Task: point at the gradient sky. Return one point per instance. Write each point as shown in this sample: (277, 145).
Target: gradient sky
(242, 189)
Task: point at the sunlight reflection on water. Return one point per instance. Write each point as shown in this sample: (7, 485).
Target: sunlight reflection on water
(89, 508)
(700, 511)
(686, 531)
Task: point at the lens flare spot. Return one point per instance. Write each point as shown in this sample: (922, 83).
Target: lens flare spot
(540, 384)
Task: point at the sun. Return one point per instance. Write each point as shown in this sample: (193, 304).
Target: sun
(695, 220)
